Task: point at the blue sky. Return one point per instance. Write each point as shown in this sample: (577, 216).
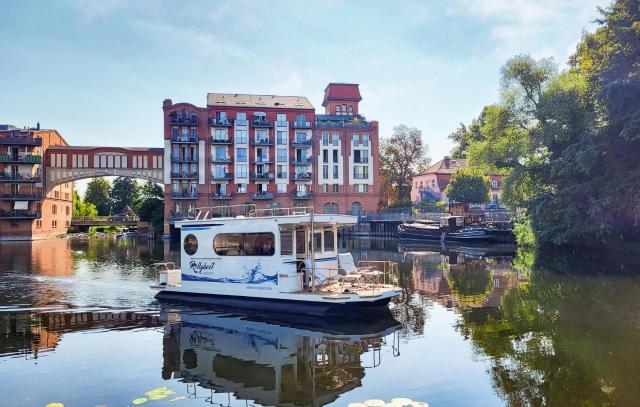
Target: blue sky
(98, 70)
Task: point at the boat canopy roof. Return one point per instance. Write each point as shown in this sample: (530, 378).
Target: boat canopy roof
(283, 216)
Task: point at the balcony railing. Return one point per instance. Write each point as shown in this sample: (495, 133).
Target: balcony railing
(360, 176)
(20, 141)
(182, 139)
(301, 161)
(265, 176)
(301, 125)
(27, 159)
(219, 140)
(302, 176)
(262, 123)
(302, 195)
(262, 160)
(221, 195)
(183, 159)
(184, 195)
(184, 121)
(262, 196)
(221, 160)
(262, 142)
(361, 161)
(226, 122)
(184, 175)
(20, 178)
(281, 123)
(302, 143)
(222, 176)
(36, 196)
(282, 175)
(240, 122)
(19, 215)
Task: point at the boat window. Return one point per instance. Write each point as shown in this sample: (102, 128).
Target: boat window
(190, 244)
(300, 238)
(317, 238)
(286, 242)
(328, 241)
(244, 244)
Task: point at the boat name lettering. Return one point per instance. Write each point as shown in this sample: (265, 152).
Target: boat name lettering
(201, 267)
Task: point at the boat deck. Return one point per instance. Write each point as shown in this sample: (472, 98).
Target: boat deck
(345, 289)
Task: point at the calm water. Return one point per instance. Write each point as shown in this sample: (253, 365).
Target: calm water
(79, 326)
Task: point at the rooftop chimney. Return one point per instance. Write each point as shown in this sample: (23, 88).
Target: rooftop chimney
(447, 162)
(38, 126)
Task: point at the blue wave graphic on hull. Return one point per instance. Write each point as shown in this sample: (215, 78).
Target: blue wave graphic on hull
(253, 275)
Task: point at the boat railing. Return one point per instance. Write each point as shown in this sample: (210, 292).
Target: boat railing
(247, 210)
(389, 269)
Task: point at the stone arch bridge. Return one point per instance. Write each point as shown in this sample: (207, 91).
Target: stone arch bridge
(70, 163)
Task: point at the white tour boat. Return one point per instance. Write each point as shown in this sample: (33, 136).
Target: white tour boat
(283, 259)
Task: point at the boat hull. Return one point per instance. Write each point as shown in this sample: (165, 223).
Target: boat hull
(318, 308)
(436, 236)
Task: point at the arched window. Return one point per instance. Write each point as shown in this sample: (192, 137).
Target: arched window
(350, 109)
(356, 208)
(330, 207)
(337, 110)
(344, 109)
(54, 210)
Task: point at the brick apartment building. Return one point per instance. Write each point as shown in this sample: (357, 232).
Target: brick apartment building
(27, 211)
(271, 151)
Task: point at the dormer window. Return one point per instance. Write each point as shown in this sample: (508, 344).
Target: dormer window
(494, 183)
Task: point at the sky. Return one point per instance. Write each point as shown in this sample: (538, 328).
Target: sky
(98, 70)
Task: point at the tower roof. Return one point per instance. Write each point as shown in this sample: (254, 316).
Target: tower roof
(340, 92)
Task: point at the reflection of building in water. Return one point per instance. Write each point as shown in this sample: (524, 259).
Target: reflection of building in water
(271, 364)
(29, 334)
(456, 280)
(45, 257)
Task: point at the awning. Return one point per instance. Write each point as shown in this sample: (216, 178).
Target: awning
(21, 205)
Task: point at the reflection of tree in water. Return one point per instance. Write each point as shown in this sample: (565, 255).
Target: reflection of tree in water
(409, 308)
(470, 282)
(563, 339)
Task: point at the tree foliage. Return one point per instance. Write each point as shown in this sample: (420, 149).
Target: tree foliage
(97, 193)
(82, 208)
(123, 193)
(569, 143)
(469, 185)
(402, 155)
(150, 204)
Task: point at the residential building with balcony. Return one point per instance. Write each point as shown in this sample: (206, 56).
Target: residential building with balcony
(27, 210)
(267, 150)
(432, 183)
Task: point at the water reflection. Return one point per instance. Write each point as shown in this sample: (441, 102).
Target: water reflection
(271, 364)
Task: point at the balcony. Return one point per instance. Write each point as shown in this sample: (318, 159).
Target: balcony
(19, 215)
(26, 159)
(261, 196)
(225, 141)
(221, 195)
(184, 175)
(36, 196)
(224, 122)
(20, 141)
(262, 123)
(222, 176)
(302, 143)
(17, 178)
(302, 176)
(261, 142)
(221, 160)
(265, 176)
(182, 139)
(262, 160)
(302, 195)
(301, 125)
(184, 195)
(184, 121)
(301, 161)
(186, 159)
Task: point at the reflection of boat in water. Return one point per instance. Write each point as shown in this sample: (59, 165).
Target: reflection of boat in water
(476, 250)
(453, 229)
(272, 364)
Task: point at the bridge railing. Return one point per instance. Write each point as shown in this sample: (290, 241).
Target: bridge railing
(105, 219)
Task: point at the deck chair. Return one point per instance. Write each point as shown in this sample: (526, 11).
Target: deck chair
(348, 270)
(323, 280)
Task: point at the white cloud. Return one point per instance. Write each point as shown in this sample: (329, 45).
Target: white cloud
(417, 10)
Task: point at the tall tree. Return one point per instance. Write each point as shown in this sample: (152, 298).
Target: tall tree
(82, 208)
(97, 193)
(402, 156)
(124, 193)
(150, 204)
(469, 185)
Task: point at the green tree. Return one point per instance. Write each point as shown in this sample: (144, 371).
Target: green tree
(97, 193)
(150, 204)
(123, 193)
(82, 208)
(402, 155)
(469, 185)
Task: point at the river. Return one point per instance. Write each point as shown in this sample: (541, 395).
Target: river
(473, 327)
